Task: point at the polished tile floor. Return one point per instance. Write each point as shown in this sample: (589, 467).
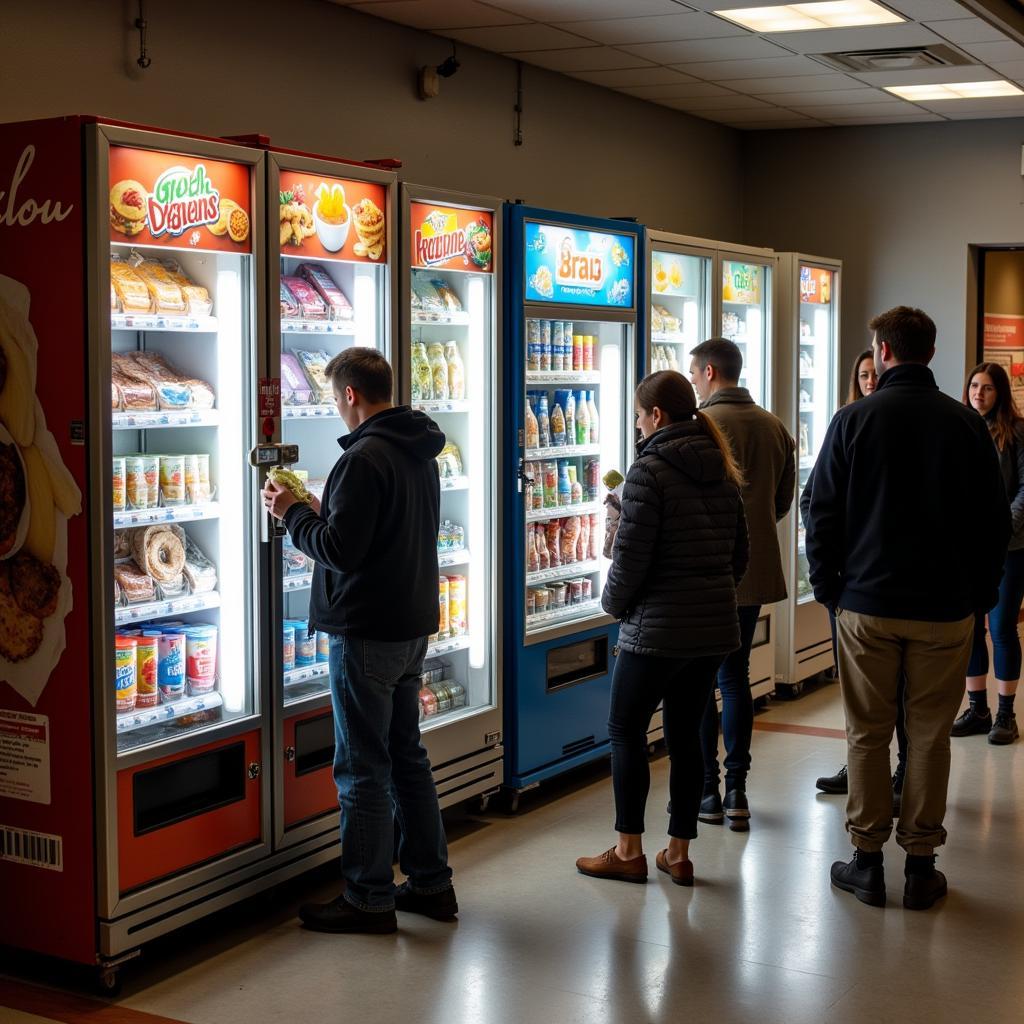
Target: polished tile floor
(760, 938)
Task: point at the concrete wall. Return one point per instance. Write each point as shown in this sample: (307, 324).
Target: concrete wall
(900, 204)
(320, 78)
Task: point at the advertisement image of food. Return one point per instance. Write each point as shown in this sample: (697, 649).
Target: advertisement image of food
(128, 207)
(369, 221)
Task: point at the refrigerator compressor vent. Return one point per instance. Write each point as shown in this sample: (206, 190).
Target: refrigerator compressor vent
(909, 58)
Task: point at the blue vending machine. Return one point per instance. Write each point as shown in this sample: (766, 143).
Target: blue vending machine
(572, 287)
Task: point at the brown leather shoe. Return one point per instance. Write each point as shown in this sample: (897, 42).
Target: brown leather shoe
(681, 873)
(608, 865)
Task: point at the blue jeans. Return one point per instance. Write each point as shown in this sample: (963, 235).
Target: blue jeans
(1002, 623)
(737, 711)
(382, 772)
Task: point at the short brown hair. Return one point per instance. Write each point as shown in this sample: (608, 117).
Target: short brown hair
(721, 353)
(909, 332)
(364, 370)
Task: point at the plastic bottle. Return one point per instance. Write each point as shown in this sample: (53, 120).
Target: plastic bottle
(543, 423)
(438, 371)
(564, 483)
(532, 428)
(582, 420)
(595, 431)
(577, 351)
(557, 426)
(456, 372)
(570, 418)
(422, 376)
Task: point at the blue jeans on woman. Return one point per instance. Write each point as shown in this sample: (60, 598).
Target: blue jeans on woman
(1002, 624)
(382, 772)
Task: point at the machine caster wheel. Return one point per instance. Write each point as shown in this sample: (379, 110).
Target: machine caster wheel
(481, 803)
(513, 802)
(788, 691)
(108, 982)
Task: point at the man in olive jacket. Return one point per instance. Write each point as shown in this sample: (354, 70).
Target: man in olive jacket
(765, 452)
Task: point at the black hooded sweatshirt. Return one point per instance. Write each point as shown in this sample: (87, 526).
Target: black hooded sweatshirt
(375, 540)
(680, 550)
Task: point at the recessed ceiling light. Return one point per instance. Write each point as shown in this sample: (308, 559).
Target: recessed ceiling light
(803, 17)
(954, 91)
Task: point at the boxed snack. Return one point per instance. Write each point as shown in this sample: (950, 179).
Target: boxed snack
(315, 363)
(295, 389)
(289, 307)
(311, 306)
(338, 306)
(130, 288)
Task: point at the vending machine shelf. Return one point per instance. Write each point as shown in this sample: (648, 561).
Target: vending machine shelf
(165, 418)
(449, 646)
(670, 338)
(455, 483)
(141, 718)
(436, 406)
(294, 583)
(440, 319)
(550, 377)
(446, 559)
(165, 609)
(534, 515)
(166, 514)
(306, 673)
(163, 322)
(318, 327)
(571, 611)
(563, 572)
(303, 412)
(563, 451)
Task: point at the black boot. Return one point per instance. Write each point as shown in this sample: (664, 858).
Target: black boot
(864, 876)
(838, 783)
(710, 808)
(972, 722)
(924, 885)
(441, 906)
(737, 810)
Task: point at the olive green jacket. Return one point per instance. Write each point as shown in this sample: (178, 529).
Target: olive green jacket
(766, 454)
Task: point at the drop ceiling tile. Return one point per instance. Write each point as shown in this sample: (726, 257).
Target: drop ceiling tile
(729, 102)
(966, 30)
(971, 115)
(779, 126)
(723, 70)
(665, 28)
(669, 92)
(512, 38)
(927, 10)
(1009, 68)
(853, 122)
(619, 78)
(588, 58)
(926, 76)
(731, 48)
(883, 109)
(773, 115)
(868, 37)
(989, 52)
(832, 97)
(438, 14)
(799, 83)
(587, 10)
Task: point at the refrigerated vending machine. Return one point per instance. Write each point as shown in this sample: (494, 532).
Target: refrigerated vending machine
(808, 383)
(699, 289)
(570, 358)
(451, 363)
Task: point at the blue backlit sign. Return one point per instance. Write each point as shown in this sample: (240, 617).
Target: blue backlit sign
(580, 268)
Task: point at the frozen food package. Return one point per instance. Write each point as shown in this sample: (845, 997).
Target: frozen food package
(311, 306)
(295, 388)
(174, 388)
(200, 572)
(130, 287)
(197, 298)
(430, 301)
(136, 586)
(166, 294)
(137, 394)
(315, 363)
(449, 300)
(289, 305)
(339, 308)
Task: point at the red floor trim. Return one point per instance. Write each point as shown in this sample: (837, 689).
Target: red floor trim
(801, 730)
(70, 1009)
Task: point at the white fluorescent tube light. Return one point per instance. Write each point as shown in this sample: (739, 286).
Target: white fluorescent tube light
(954, 91)
(805, 17)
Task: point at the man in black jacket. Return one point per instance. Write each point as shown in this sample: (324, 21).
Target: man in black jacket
(374, 542)
(906, 537)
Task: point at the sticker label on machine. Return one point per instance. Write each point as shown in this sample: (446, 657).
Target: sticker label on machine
(177, 201)
(36, 849)
(581, 268)
(445, 238)
(25, 756)
(332, 218)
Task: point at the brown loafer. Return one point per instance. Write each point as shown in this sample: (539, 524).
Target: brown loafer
(681, 873)
(608, 865)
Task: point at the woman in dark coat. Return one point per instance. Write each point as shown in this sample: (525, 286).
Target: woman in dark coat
(680, 550)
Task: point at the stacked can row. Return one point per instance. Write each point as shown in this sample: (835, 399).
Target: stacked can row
(301, 649)
(556, 483)
(553, 345)
(561, 542)
(559, 595)
(439, 693)
(451, 597)
(158, 665)
(149, 481)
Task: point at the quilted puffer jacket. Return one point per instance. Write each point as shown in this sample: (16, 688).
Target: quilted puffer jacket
(680, 550)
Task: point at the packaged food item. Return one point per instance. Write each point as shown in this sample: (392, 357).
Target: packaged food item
(595, 430)
(197, 299)
(457, 693)
(323, 647)
(446, 293)
(570, 418)
(553, 539)
(564, 483)
(532, 429)
(594, 524)
(549, 477)
(532, 558)
(289, 304)
(295, 562)
(163, 289)
(201, 658)
(531, 598)
(119, 493)
(558, 346)
(338, 306)
(136, 490)
(533, 346)
(541, 543)
(577, 351)
(118, 595)
(305, 646)
(575, 592)
(159, 551)
(172, 480)
(287, 647)
(558, 593)
(542, 599)
(122, 544)
(537, 471)
(557, 426)
(137, 586)
(431, 304)
(314, 363)
(438, 372)
(583, 543)
(450, 461)
(175, 390)
(129, 287)
(125, 674)
(428, 703)
(311, 306)
(670, 324)
(456, 372)
(444, 608)
(582, 419)
(168, 590)
(422, 383)
(200, 572)
(568, 539)
(291, 480)
(147, 694)
(171, 665)
(546, 352)
(543, 421)
(589, 344)
(295, 387)
(136, 393)
(457, 605)
(433, 671)
(116, 402)
(414, 301)
(443, 695)
(588, 589)
(151, 473)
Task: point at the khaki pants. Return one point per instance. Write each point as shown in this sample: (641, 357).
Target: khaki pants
(873, 651)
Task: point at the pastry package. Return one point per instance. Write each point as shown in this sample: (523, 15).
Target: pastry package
(315, 363)
(197, 299)
(122, 544)
(115, 397)
(311, 306)
(289, 307)
(159, 551)
(449, 462)
(430, 301)
(174, 389)
(338, 306)
(130, 288)
(136, 393)
(118, 594)
(670, 323)
(114, 304)
(295, 389)
(164, 291)
(657, 322)
(449, 300)
(200, 572)
(136, 586)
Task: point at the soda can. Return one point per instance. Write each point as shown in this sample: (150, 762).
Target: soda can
(125, 674)
(577, 351)
(201, 658)
(170, 667)
(546, 350)
(588, 589)
(444, 607)
(558, 346)
(147, 660)
(120, 496)
(533, 345)
(588, 351)
(457, 605)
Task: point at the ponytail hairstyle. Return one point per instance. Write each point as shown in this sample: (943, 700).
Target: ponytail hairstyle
(673, 394)
(1004, 416)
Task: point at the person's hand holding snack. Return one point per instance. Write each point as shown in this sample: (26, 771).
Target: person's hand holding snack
(278, 499)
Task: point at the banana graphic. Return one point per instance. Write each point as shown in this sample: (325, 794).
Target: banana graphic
(42, 527)
(65, 491)
(17, 396)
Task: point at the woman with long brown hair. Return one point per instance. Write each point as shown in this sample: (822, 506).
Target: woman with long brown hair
(987, 391)
(863, 377)
(680, 550)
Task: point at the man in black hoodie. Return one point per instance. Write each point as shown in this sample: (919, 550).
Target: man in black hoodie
(374, 542)
(906, 536)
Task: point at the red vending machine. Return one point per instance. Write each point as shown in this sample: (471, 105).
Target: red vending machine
(133, 683)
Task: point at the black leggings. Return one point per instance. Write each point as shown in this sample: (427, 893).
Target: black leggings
(682, 686)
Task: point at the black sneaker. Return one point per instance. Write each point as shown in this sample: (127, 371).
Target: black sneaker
(441, 906)
(970, 723)
(737, 810)
(838, 783)
(922, 891)
(867, 884)
(1004, 729)
(340, 916)
(710, 809)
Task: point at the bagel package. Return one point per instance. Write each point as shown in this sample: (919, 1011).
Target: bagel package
(159, 551)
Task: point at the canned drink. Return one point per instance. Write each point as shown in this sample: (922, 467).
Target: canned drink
(172, 480)
(458, 694)
(457, 605)
(575, 591)
(171, 666)
(146, 672)
(323, 647)
(136, 491)
(151, 471)
(546, 349)
(201, 658)
(288, 647)
(542, 598)
(558, 346)
(428, 703)
(533, 345)
(588, 589)
(443, 695)
(444, 608)
(577, 351)
(120, 495)
(125, 674)
(589, 343)
(305, 647)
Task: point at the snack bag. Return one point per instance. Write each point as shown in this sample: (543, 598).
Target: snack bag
(295, 389)
(339, 308)
(430, 301)
(613, 480)
(315, 363)
(289, 305)
(197, 298)
(311, 306)
(129, 287)
(449, 462)
(449, 300)
(290, 481)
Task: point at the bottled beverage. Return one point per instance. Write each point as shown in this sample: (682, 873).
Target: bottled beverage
(422, 377)
(444, 597)
(582, 420)
(557, 345)
(457, 605)
(547, 349)
(595, 432)
(570, 418)
(564, 484)
(532, 428)
(438, 371)
(543, 423)
(456, 372)
(577, 351)
(557, 426)
(588, 352)
(533, 346)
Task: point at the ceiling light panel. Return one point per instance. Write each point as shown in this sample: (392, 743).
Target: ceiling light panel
(954, 91)
(808, 17)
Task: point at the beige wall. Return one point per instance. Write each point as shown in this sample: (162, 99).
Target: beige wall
(317, 77)
(1004, 283)
(899, 204)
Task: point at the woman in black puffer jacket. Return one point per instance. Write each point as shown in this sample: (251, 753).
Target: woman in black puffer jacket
(680, 550)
